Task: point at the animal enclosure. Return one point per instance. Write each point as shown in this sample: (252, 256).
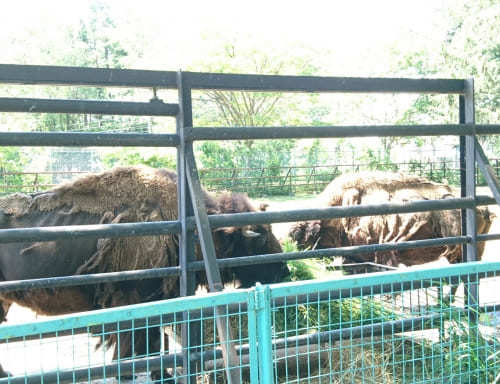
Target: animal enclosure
(288, 333)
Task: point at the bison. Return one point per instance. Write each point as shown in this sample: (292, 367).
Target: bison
(125, 194)
(385, 187)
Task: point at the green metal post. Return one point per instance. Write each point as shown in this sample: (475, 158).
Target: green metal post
(264, 333)
(253, 338)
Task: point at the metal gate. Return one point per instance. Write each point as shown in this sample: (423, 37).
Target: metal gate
(384, 327)
(192, 214)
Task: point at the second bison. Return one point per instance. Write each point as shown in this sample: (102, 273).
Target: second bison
(384, 187)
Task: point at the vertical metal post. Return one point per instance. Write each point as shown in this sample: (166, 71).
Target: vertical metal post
(463, 190)
(190, 333)
(253, 338)
(472, 291)
(188, 177)
(212, 269)
(470, 171)
(264, 333)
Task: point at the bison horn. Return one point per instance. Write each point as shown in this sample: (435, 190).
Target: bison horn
(250, 233)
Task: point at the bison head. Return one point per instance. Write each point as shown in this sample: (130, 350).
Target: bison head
(247, 241)
(318, 234)
(306, 234)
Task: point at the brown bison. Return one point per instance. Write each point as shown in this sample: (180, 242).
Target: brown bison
(384, 187)
(127, 194)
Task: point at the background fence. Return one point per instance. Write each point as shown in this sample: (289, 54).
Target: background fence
(263, 181)
(389, 327)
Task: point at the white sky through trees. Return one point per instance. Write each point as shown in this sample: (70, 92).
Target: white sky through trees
(353, 30)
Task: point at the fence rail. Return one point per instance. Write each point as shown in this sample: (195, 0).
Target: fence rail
(261, 181)
(387, 327)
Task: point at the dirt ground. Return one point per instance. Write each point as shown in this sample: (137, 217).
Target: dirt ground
(21, 358)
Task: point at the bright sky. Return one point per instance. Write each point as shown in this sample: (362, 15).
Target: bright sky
(349, 28)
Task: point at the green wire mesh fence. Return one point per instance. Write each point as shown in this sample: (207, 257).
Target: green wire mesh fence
(414, 326)
(146, 339)
(410, 327)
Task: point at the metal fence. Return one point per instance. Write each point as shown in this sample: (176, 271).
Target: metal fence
(293, 180)
(192, 214)
(389, 327)
(263, 181)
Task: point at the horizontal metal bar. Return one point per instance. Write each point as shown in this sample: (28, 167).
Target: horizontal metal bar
(418, 323)
(66, 281)
(57, 75)
(252, 218)
(98, 107)
(141, 229)
(65, 139)
(330, 252)
(98, 77)
(303, 132)
(95, 278)
(112, 369)
(242, 82)
(230, 220)
(488, 237)
(387, 327)
(383, 278)
(91, 231)
(236, 308)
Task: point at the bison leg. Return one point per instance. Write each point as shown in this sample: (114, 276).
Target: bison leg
(140, 343)
(4, 308)
(127, 345)
(449, 298)
(4, 305)
(3, 373)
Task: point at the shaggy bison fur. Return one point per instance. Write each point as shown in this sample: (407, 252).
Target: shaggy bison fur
(384, 187)
(122, 195)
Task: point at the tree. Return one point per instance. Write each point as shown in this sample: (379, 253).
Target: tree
(251, 109)
(470, 49)
(92, 43)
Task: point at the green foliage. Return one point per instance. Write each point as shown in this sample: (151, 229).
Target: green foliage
(251, 156)
(299, 270)
(314, 154)
(328, 315)
(469, 354)
(325, 315)
(213, 154)
(134, 157)
(92, 43)
(216, 108)
(258, 154)
(14, 160)
(470, 49)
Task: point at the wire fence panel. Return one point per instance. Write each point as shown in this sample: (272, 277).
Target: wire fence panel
(423, 333)
(146, 338)
(287, 180)
(415, 326)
